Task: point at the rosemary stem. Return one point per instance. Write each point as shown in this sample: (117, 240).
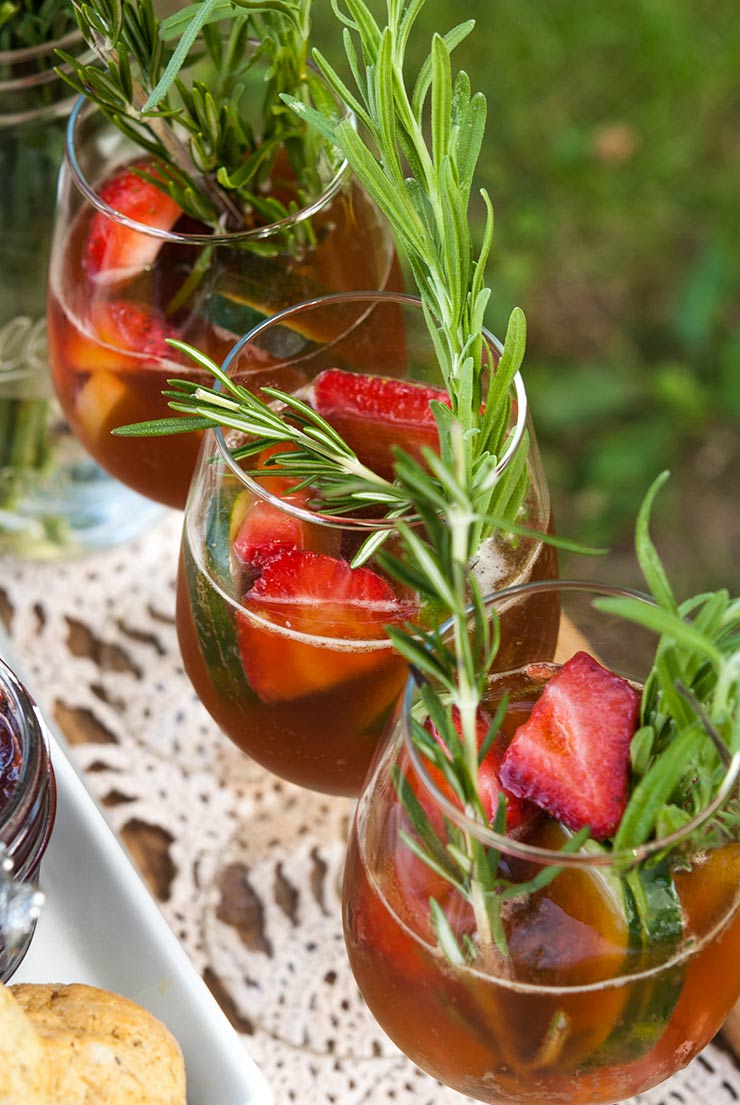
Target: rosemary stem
(178, 153)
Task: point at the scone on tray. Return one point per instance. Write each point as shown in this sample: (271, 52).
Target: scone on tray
(100, 1047)
(23, 1069)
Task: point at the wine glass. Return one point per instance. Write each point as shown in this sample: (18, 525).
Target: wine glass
(129, 270)
(282, 639)
(610, 970)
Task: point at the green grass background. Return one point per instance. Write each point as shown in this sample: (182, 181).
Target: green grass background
(612, 154)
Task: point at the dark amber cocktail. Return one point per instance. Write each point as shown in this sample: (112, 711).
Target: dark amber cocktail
(282, 637)
(609, 971)
(129, 270)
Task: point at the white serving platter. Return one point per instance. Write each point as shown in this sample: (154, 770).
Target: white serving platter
(101, 926)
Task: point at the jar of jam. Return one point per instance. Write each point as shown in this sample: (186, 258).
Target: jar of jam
(27, 808)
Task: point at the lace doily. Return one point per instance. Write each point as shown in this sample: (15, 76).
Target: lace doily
(246, 867)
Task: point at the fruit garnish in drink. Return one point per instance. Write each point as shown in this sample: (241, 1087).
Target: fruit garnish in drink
(375, 413)
(115, 252)
(119, 335)
(490, 784)
(571, 757)
(265, 529)
(310, 595)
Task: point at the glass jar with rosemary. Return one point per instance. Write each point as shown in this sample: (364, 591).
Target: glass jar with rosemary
(53, 500)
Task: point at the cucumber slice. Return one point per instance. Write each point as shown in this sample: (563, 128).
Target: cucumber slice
(655, 927)
(214, 618)
(231, 315)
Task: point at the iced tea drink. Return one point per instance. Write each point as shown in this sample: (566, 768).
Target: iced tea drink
(282, 638)
(604, 972)
(129, 270)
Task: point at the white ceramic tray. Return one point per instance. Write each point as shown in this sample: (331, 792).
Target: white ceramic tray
(101, 926)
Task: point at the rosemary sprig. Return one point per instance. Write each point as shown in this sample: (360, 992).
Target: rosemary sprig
(461, 496)
(690, 722)
(219, 153)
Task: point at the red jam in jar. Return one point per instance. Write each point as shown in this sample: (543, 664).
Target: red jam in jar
(27, 795)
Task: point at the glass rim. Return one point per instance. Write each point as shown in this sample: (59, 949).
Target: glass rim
(624, 858)
(221, 238)
(350, 521)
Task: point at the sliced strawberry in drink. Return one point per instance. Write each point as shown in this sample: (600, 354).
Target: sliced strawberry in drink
(301, 596)
(373, 413)
(519, 812)
(261, 528)
(266, 529)
(133, 328)
(115, 252)
(571, 756)
(417, 881)
(120, 335)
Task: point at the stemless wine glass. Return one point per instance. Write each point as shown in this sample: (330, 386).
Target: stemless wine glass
(282, 639)
(119, 288)
(579, 1001)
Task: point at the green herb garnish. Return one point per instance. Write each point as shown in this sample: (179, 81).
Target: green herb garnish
(219, 132)
(462, 499)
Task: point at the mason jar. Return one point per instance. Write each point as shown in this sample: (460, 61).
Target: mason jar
(54, 500)
(27, 809)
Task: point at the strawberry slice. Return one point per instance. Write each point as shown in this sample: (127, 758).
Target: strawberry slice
(261, 528)
(372, 413)
(121, 335)
(115, 252)
(267, 530)
(303, 595)
(519, 812)
(571, 756)
(133, 328)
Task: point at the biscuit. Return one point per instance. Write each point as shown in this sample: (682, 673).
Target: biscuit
(23, 1071)
(101, 1047)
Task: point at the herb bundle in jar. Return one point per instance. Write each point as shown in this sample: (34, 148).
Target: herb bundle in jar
(54, 501)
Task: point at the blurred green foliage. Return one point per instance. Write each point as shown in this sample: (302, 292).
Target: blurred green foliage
(613, 159)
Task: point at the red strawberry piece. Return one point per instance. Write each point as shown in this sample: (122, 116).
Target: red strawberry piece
(372, 413)
(131, 328)
(267, 529)
(114, 251)
(571, 756)
(309, 623)
(519, 813)
(264, 528)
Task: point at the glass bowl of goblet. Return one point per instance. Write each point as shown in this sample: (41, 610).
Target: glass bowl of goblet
(129, 270)
(525, 965)
(282, 637)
